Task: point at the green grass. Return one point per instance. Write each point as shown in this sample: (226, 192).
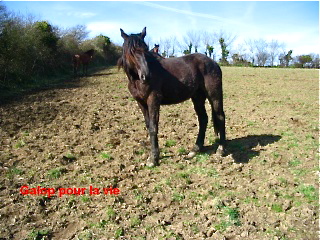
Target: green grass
(309, 192)
(111, 214)
(102, 224)
(135, 221)
(13, 172)
(56, 173)
(21, 143)
(207, 171)
(40, 234)
(182, 151)
(276, 208)
(229, 216)
(177, 197)
(119, 233)
(106, 156)
(202, 157)
(170, 143)
(295, 162)
(85, 199)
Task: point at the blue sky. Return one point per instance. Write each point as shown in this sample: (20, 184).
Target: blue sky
(295, 23)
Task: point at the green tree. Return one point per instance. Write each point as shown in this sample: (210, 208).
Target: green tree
(209, 50)
(224, 51)
(303, 59)
(288, 58)
(46, 34)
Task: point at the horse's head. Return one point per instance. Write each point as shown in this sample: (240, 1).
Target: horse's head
(134, 54)
(156, 48)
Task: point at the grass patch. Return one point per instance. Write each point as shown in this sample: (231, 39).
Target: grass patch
(70, 156)
(119, 233)
(14, 171)
(231, 215)
(135, 221)
(309, 192)
(202, 157)
(182, 151)
(177, 197)
(20, 144)
(184, 175)
(102, 223)
(40, 234)
(106, 156)
(111, 214)
(170, 143)
(85, 199)
(294, 163)
(210, 172)
(276, 208)
(56, 173)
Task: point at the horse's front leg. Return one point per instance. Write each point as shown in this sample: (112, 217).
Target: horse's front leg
(153, 110)
(144, 110)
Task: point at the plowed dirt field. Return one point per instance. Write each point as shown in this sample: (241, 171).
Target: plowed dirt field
(72, 163)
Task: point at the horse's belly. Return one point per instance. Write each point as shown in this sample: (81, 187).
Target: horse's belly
(174, 95)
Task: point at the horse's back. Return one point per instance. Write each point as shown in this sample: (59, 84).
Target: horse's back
(195, 61)
(183, 76)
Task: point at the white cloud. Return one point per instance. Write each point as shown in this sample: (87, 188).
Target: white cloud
(81, 14)
(107, 28)
(189, 13)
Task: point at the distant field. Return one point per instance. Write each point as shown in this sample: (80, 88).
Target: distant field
(92, 133)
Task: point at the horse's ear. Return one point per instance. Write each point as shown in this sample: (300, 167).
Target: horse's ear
(123, 34)
(143, 33)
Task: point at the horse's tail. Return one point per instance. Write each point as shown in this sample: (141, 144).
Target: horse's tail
(213, 85)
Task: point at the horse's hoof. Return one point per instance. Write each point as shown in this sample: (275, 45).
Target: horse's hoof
(191, 155)
(151, 163)
(220, 151)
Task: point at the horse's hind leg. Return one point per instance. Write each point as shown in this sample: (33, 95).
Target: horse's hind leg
(218, 118)
(83, 69)
(199, 106)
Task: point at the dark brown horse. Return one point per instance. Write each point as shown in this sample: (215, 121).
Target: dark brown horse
(157, 81)
(82, 59)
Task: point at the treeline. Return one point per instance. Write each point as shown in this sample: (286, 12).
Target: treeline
(222, 47)
(31, 51)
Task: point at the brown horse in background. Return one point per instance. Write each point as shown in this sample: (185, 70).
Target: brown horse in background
(84, 60)
(155, 49)
(155, 81)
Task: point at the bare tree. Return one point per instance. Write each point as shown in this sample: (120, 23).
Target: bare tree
(165, 44)
(174, 46)
(228, 38)
(192, 39)
(274, 50)
(208, 39)
(261, 54)
(251, 48)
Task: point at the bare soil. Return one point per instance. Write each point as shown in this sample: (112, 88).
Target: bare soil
(91, 133)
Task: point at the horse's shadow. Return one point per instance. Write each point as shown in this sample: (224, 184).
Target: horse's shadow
(245, 148)
(99, 74)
